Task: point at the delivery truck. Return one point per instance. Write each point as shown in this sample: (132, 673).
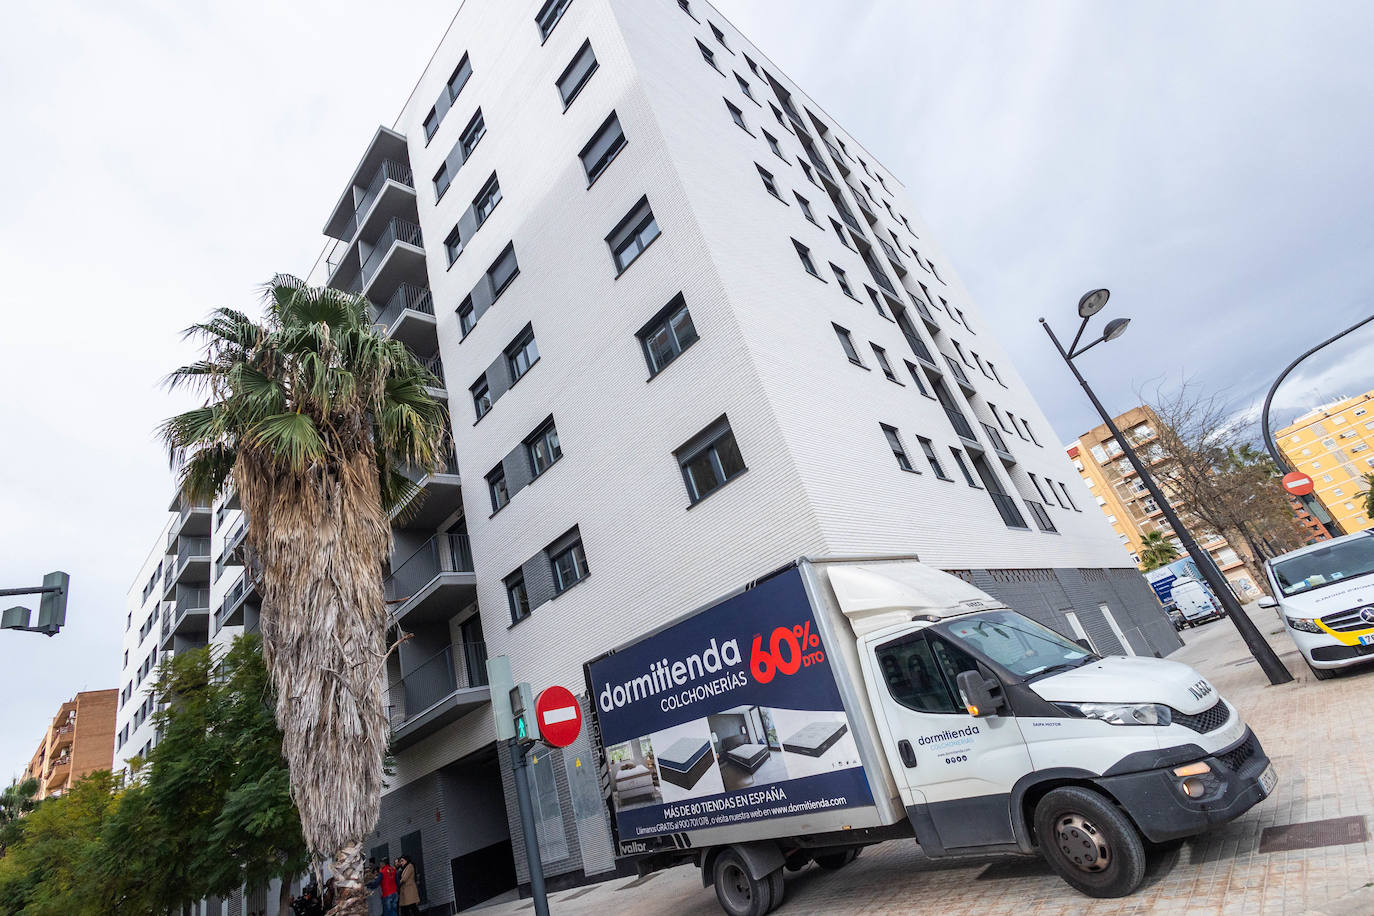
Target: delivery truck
(835, 704)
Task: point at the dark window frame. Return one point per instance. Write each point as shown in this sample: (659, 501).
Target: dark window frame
(708, 442)
(847, 345)
(664, 319)
(602, 162)
(571, 94)
(894, 441)
(498, 490)
(631, 228)
(489, 275)
(523, 343)
(481, 393)
(928, 449)
(556, 8)
(546, 435)
(517, 597)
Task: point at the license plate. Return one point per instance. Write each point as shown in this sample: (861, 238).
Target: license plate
(1268, 779)
(1367, 639)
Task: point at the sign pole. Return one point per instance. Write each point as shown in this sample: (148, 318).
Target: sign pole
(527, 826)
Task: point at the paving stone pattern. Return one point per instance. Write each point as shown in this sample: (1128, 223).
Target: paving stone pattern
(1318, 734)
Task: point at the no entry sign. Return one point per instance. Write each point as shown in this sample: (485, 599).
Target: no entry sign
(1297, 483)
(559, 716)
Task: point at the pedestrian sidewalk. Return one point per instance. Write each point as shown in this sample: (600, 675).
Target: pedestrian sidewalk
(1314, 731)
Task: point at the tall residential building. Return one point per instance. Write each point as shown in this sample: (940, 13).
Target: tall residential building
(1334, 444)
(689, 329)
(80, 740)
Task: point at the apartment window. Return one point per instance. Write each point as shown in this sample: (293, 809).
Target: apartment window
(481, 397)
(632, 235)
(843, 279)
(720, 36)
(667, 334)
(805, 207)
(847, 343)
(1069, 498)
(548, 16)
(453, 245)
(768, 182)
(472, 134)
(602, 148)
(773, 145)
(709, 56)
(916, 377)
(521, 354)
(737, 116)
(881, 355)
(810, 175)
(753, 67)
(877, 303)
(542, 447)
(442, 179)
(432, 123)
(709, 460)
(459, 79)
(1036, 483)
(496, 487)
(455, 85)
(805, 254)
(928, 448)
(993, 370)
(1017, 429)
(744, 87)
(517, 597)
(777, 114)
(502, 271)
(964, 320)
(568, 561)
(963, 468)
(839, 232)
(467, 316)
(1029, 432)
(686, 7)
(576, 74)
(895, 442)
(979, 360)
(487, 199)
(962, 355)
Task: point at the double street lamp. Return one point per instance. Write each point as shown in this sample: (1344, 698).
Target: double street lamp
(1088, 306)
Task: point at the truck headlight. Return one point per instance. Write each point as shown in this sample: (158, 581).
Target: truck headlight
(1303, 624)
(1121, 713)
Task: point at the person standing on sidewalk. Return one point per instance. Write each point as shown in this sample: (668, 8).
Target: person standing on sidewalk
(385, 883)
(409, 892)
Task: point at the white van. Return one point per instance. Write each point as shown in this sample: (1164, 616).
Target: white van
(1195, 602)
(1325, 595)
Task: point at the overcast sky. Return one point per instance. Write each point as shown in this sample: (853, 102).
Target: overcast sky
(1207, 162)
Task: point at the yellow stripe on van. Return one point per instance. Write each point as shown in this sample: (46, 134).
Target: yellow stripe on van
(1349, 639)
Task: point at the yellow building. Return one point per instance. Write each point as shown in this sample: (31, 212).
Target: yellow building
(1130, 509)
(1334, 444)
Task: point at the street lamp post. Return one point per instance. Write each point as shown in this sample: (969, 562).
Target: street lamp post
(1313, 505)
(1090, 305)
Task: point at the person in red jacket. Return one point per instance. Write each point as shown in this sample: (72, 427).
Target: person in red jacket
(385, 882)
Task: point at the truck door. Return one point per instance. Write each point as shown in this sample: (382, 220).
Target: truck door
(954, 771)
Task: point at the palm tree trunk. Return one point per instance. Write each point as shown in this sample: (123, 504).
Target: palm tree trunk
(350, 896)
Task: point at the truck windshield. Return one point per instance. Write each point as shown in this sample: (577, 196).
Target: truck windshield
(1017, 643)
(1325, 566)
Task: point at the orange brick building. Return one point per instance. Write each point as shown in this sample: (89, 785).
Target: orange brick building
(80, 740)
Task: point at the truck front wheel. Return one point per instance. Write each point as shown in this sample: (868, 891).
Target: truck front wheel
(739, 893)
(1091, 844)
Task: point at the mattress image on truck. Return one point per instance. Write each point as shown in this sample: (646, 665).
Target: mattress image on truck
(685, 761)
(815, 739)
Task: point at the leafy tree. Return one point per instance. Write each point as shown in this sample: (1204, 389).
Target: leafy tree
(43, 872)
(314, 414)
(1369, 495)
(1156, 550)
(16, 801)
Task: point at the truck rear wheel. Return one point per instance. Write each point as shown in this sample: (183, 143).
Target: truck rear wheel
(1089, 843)
(738, 892)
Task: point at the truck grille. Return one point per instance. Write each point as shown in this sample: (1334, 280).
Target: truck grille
(1233, 760)
(1349, 621)
(1209, 720)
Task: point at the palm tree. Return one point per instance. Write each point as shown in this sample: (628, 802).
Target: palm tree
(1369, 495)
(17, 800)
(313, 414)
(1156, 550)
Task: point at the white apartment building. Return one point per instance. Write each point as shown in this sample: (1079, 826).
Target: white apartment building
(689, 330)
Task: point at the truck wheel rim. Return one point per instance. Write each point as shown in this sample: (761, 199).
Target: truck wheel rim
(1081, 843)
(736, 884)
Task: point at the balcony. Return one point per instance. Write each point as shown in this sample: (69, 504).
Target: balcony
(863, 203)
(186, 616)
(440, 496)
(1006, 507)
(918, 347)
(957, 370)
(840, 162)
(57, 771)
(191, 565)
(242, 593)
(892, 256)
(1041, 516)
(999, 445)
(62, 736)
(193, 519)
(434, 580)
(387, 146)
(817, 161)
(231, 554)
(408, 316)
(398, 254)
(440, 690)
(435, 365)
(960, 424)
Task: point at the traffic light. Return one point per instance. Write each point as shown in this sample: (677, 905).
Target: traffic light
(52, 606)
(522, 713)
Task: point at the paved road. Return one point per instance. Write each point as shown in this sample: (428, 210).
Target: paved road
(1318, 734)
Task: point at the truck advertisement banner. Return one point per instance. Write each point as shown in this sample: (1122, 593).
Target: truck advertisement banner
(732, 715)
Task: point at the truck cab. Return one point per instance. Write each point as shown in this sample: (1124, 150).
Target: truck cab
(1005, 736)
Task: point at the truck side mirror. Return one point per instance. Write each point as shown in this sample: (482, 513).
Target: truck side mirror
(1266, 601)
(981, 696)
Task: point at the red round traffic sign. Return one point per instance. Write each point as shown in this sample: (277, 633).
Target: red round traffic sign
(559, 716)
(1298, 483)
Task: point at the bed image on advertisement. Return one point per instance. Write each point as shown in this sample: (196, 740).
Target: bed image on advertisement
(685, 762)
(748, 756)
(816, 738)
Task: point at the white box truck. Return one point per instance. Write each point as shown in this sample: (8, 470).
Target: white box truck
(835, 704)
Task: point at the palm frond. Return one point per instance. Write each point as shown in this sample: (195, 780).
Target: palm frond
(292, 438)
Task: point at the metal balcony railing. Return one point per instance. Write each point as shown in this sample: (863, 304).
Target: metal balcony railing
(188, 508)
(890, 252)
(846, 214)
(408, 297)
(817, 161)
(879, 275)
(442, 674)
(191, 599)
(192, 547)
(960, 423)
(995, 437)
(1006, 507)
(957, 369)
(862, 200)
(924, 310)
(389, 170)
(435, 365)
(443, 553)
(397, 230)
(837, 156)
(1041, 516)
(918, 346)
